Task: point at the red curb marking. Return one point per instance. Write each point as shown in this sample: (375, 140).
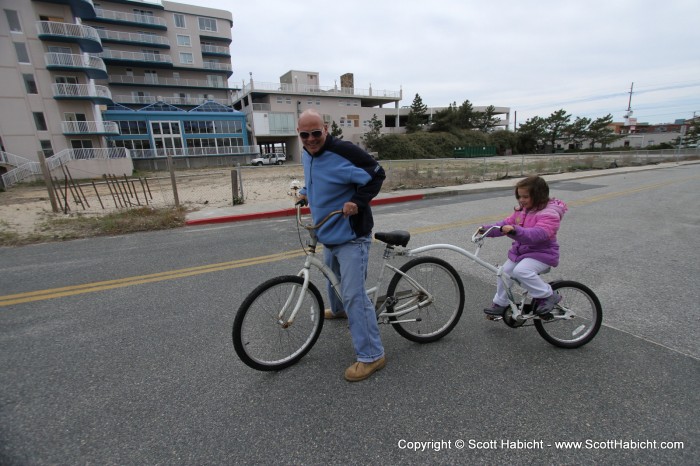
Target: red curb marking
(290, 212)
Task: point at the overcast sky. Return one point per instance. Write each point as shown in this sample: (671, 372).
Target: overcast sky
(534, 56)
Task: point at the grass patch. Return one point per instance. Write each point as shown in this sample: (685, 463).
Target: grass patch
(82, 226)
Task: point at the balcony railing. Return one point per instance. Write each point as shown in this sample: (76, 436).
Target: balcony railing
(137, 56)
(91, 65)
(82, 91)
(152, 3)
(208, 65)
(121, 17)
(86, 36)
(81, 8)
(216, 49)
(175, 82)
(192, 152)
(149, 99)
(133, 37)
(89, 127)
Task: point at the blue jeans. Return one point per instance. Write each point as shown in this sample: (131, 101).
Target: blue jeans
(349, 263)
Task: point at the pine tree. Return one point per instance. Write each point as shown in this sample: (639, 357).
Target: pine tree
(417, 116)
(336, 131)
(374, 134)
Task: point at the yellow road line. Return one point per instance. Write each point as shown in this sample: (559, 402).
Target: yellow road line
(40, 295)
(52, 293)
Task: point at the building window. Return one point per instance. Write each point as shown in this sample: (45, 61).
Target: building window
(179, 21)
(142, 14)
(81, 144)
(13, 21)
(197, 143)
(150, 76)
(215, 80)
(133, 144)
(207, 24)
(184, 41)
(66, 80)
(46, 148)
(212, 127)
(30, 84)
(21, 50)
(186, 58)
(132, 127)
(40, 121)
(57, 49)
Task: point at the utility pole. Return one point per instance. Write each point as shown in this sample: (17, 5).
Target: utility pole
(629, 103)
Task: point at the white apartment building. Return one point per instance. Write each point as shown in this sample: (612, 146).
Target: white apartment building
(102, 84)
(273, 109)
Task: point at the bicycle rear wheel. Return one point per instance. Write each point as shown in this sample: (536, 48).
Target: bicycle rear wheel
(431, 320)
(263, 337)
(582, 327)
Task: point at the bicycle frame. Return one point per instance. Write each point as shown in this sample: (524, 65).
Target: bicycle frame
(478, 238)
(313, 261)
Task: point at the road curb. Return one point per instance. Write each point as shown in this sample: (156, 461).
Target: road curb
(291, 211)
(433, 193)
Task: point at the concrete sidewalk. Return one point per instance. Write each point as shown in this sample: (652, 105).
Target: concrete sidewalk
(285, 207)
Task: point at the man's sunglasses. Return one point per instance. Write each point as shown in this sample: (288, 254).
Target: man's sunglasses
(305, 134)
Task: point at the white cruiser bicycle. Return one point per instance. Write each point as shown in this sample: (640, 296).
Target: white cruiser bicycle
(281, 319)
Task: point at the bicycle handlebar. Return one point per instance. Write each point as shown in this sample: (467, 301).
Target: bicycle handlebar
(480, 233)
(310, 227)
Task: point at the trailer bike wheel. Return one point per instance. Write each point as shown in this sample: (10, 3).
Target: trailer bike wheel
(263, 336)
(432, 320)
(573, 322)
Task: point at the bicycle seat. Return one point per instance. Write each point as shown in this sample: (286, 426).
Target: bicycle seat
(393, 238)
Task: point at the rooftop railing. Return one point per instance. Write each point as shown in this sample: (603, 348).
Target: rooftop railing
(310, 89)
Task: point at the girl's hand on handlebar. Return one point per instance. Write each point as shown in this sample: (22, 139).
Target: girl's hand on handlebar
(507, 229)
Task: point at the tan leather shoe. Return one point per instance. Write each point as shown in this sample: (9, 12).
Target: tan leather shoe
(362, 370)
(328, 315)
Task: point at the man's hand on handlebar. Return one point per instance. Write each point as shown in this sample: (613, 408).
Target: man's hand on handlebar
(302, 202)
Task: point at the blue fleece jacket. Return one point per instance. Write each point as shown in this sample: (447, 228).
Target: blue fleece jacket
(341, 172)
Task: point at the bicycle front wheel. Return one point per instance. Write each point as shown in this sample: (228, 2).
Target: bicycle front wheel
(575, 320)
(265, 336)
(435, 314)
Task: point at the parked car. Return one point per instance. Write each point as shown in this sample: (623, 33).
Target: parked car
(269, 159)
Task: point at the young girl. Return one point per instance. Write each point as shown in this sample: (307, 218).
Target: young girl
(533, 226)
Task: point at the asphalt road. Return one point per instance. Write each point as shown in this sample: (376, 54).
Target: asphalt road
(118, 351)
